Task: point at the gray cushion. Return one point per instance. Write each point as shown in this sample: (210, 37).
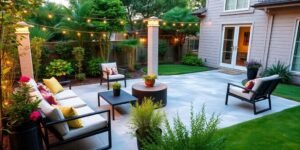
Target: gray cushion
(90, 123)
(239, 91)
(72, 102)
(57, 115)
(113, 77)
(65, 94)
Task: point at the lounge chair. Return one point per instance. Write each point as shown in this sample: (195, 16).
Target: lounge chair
(262, 90)
(107, 73)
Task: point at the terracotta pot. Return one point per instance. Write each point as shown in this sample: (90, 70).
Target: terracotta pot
(149, 83)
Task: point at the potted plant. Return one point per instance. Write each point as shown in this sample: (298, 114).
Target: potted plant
(21, 116)
(150, 80)
(145, 120)
(59, 68)
(252, 69)
(116, 88)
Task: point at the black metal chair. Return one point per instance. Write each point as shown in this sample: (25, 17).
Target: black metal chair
(106, 76)
(47, 125)
(260, 92)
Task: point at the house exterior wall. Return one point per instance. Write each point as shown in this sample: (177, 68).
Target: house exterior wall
(282, 33)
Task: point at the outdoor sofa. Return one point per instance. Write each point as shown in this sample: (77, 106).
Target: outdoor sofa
(54, 121)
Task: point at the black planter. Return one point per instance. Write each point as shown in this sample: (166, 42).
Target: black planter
(252, 73)
(147, 137)
(25, 137)
(116, 92)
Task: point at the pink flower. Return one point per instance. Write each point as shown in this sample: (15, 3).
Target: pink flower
(35, 115)
(24, 79)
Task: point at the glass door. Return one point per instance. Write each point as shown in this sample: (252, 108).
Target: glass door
(235, 47)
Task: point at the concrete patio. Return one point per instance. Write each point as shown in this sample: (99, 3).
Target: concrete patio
(197, 89)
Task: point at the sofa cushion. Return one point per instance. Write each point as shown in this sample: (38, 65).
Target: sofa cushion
(113, 77)
(70, 112)
(57, 115)
(72, 102)
(65, 95)
(32, 84)
(239, 92)
(90, 123)
(258, 81)
(53, 85)
(48, 96)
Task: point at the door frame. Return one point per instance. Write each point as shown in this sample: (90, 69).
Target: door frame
(235, 45)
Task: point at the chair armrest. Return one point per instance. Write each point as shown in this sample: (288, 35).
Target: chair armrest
(78, 117)
(67, 82)
(123, 71)
(231, 84)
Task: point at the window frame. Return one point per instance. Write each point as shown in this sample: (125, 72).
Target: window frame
(234, 10)
(297, 32)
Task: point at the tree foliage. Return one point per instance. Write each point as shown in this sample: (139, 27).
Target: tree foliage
(36, 51)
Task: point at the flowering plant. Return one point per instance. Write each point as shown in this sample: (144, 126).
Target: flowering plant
(253, 64)
(22, 108)
(150, 77)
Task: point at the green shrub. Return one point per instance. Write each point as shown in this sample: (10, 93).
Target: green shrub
(64, 50)
(36, 49)
(281, 69)
(93, 67)
(58, 68)
(192, 60)
(78, 53)
(200, 136)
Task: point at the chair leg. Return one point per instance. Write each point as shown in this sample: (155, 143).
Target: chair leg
(125, 82)
(254, 108)
(226, 100)
(270, 104)
(107, 85)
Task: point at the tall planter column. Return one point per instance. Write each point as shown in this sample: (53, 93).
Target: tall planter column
(153, 37)
(24, 50)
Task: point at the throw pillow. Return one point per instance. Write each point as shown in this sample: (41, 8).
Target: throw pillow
(42, 87)
(114, 71)
(70, 112)
(49, 97)
(53, 85)
(249, 85)
(109, 71)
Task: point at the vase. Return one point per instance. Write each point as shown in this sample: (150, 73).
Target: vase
(252, 73)
(149, 83)
(25, 136)
(116, 92)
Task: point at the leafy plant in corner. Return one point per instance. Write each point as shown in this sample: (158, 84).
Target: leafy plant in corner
(78, 53)
(59, 68)
(145, 119)
(93, 67)
(281, 69)
(200, 135)
(191, 59)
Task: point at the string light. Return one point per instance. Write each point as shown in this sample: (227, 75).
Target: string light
(190, 24)
(164, 23)
(122, 22)
(125, 34)
(182, 24)
(104, 35)
(25, 11)
(44, 29)
(134, 22)
(50, 16)
(196, 24)
(64, 32)
(69, 19)
(92, 35)
(78, 34)
(174, 24)
(88, 20)
(136, 33)
(104, 21)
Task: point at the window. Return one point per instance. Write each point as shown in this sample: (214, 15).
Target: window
(231, 5)
(296, 55)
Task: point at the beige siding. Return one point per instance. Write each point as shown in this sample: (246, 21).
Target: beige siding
(211, 31)
(283, 34)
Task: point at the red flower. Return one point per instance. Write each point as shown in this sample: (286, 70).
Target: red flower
(35, 115)
(24, 79)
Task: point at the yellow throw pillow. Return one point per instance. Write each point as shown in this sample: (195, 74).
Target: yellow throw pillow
(70, 112)
(53, 85)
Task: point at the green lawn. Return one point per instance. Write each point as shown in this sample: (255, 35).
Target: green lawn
(173, 69)
(288, 91)
(276, 132)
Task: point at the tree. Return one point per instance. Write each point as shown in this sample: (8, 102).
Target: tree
(195, 4)
(130, 46)
(185, 27)
(36, 50)
(114, 13)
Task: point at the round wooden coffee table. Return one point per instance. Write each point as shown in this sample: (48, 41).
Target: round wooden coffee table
(158, 92)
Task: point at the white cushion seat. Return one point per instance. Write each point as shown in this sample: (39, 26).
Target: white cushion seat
(72, 102)
(90, 123)
(239, 92)
(65, 94)
(113, 77)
